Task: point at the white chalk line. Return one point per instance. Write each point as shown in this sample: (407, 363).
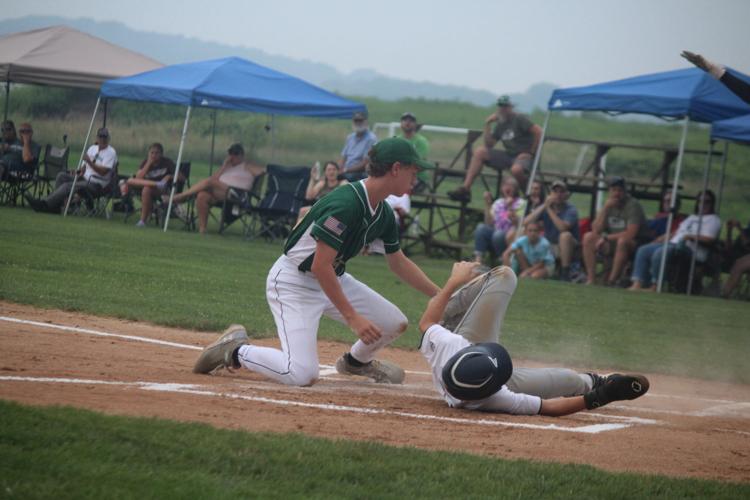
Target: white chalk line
(198, 390)
(327, 371)
(733, 431)
(98, 333)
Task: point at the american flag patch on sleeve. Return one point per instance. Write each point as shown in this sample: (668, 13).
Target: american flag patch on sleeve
(334, 225)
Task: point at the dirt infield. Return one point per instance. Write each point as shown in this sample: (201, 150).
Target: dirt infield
(681, 428)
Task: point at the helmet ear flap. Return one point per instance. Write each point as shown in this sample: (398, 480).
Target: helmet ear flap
(477, 371)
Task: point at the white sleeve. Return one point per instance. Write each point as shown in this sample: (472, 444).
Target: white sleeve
(506, 401)
(711, 226)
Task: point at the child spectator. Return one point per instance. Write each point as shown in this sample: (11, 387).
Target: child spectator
(530, 255)
(501, 220)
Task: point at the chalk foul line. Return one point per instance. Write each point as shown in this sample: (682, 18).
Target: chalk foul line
(198, 390)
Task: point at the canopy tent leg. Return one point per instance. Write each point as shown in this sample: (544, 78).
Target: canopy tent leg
(7, 99)
(675, 193)
(721, 178)
(706, 171)
(213, 142)
(601, 184)
(273, 138)
(104, 109)
(538, 154)
(80, 161)
(177, 170)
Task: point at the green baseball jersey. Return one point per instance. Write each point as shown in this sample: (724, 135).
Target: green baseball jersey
(344, 221)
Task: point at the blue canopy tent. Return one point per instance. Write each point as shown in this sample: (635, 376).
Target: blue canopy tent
(733, 129)
(230, 83)
(687, 94)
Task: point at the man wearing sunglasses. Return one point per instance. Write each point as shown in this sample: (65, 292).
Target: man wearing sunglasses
(94, 173)
(17, 156)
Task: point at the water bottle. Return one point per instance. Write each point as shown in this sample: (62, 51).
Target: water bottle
(317, 173)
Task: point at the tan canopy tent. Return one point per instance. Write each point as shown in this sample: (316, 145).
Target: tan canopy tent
(63, 57)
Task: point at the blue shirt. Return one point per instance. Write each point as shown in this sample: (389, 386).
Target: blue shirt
(535, 253)
(356, 148)
(568, 214)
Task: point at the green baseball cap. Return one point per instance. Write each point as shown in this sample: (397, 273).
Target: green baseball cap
(397, 149)
(504, 100)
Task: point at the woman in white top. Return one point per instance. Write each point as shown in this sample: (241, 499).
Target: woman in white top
(235, 172)
(693, 234)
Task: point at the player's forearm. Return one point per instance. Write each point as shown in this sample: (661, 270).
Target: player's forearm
(559, 407)
(560, 224)
(403, 267)
(330, 285)
(436, 306)
(534, 215)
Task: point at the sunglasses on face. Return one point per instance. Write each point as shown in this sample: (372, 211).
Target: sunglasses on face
(25, 131)
(103, 136)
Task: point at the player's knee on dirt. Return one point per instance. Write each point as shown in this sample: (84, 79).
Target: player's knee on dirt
(303, 375)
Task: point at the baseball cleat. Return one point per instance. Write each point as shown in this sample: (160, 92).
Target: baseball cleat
(596, 380)
(382, 372)
(219, 353)
(626, 386)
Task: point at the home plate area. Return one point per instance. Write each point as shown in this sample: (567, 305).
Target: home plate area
(681, 428)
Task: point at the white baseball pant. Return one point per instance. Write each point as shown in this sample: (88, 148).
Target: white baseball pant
(297, 303)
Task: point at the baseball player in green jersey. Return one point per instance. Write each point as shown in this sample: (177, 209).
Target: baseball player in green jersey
(309, 280)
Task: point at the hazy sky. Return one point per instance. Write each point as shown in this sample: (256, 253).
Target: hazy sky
(500, 46)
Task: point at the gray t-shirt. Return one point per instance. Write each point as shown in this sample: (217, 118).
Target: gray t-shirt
(515, 134)
(619, 217)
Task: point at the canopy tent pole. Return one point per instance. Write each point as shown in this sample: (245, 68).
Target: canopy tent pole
(7, 99)
(213, 142)
(675, 193)
(706, 171)
(104, 119)
(273, 138)
(538, 154)
(601, 184)
(721, 178)
(177, 170)
(80, 161)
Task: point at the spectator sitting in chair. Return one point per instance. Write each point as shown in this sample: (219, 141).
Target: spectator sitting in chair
(618, 229)
(17, 155)
(737, 257)
(154, 178)
(560, 220)
(530, 256)
(687, 239)
(520, 138)
(96, 169)
(536, 197)
(501, 220)
(318, 188)
(235, 172)
(354, 158)
(657, 226)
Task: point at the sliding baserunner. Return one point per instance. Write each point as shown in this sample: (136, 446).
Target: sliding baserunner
(470, 369)
(309, 280)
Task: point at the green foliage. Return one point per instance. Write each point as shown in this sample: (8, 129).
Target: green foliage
(67, 453)
(181, 279)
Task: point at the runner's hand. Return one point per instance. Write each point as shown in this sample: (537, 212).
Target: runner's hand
(463, 272)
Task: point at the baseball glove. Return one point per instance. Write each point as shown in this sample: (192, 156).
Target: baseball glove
(616, 387)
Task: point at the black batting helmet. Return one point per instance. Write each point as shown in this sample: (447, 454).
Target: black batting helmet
(477, 371)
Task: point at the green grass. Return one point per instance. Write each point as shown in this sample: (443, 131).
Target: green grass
(181, 279)
(68, 453)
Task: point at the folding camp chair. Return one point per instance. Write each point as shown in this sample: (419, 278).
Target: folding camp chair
(16, 184)
(277, 212)
(88, 204)
(186, 214)
(238, 204)
(55, 161)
